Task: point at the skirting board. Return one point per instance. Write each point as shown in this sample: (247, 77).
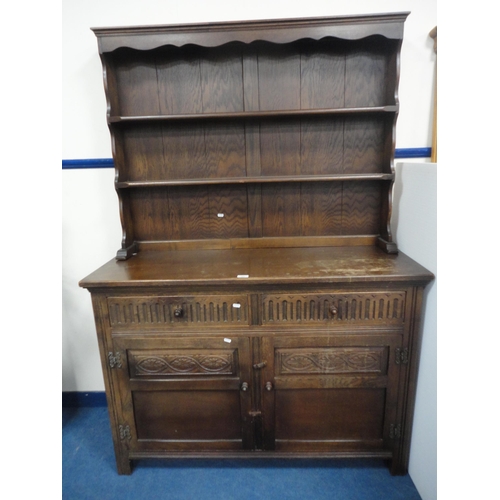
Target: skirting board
(82, 399)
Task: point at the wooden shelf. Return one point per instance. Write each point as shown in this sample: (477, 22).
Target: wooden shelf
(257, 180)
(288, 113)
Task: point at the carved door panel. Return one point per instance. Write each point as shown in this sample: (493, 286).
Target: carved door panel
(185, 394)
(330, 394)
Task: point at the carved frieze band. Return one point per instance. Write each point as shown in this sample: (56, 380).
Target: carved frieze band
(175, 310)
(163, 363)
(331, 360)
(373, 307)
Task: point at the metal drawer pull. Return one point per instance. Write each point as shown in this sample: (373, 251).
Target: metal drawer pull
(244, 386)
(178, 313)
(333, 311)
(269, 386)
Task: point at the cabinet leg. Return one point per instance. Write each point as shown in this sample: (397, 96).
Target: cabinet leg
(397, 468)
(123, 466)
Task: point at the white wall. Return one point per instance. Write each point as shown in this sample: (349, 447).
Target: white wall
(415, 230)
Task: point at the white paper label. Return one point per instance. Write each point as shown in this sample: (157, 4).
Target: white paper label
(242, 276)
(237, 305)
(227, 340)
(220, 215)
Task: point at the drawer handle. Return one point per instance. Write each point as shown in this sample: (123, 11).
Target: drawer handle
(333, 311)
(269, 386)
(244, 386)
(178, 313)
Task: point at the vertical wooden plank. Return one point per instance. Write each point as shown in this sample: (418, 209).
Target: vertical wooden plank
(189, 212)
(252, 141)
(179, 88)
(179, 81)
(142, 146)
(251, 103)
(136, 84)
(280, 147)
(150, 213)
(322, 86)
(250, 79)
(184, 151)
(361, 208)
(228, 211)
(322, 146)
(279, 88)
(281, 204)
(279, 78)
(222, 91)
(222, 80)
(254, 202)
(322, 69)
(364, 144)
(321, 209)
(365, 75)
(224, 150)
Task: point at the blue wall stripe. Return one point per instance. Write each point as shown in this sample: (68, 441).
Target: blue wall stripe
(108, 162)
(80, 399)
(88, 163)
(413, 153)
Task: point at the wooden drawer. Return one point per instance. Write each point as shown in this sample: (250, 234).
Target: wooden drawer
(370, 308)
(194, 310)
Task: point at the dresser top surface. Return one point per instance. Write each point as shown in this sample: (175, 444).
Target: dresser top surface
(258, 266)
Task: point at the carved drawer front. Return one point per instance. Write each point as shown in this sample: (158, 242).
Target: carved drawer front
(363, 307)
(333, 360)
(186, 310)
(167, 363)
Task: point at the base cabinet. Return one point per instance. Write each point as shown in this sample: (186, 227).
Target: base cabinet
(272, 374)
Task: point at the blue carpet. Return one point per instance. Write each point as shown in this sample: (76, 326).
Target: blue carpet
(89, 473)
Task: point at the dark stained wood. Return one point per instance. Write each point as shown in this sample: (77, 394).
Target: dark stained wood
(361, 207)
(285, 266)
(177, 415)
(260, 112)
(258, 305)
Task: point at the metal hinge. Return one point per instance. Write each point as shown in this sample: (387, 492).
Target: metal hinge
(402, 356)
(114, 360)
(259, 366)
(394, 431)
(124, 432)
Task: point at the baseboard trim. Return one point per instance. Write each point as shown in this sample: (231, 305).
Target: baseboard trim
(83, 399)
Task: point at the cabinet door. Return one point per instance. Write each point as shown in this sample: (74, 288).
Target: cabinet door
(185, 394)
(330, 394)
